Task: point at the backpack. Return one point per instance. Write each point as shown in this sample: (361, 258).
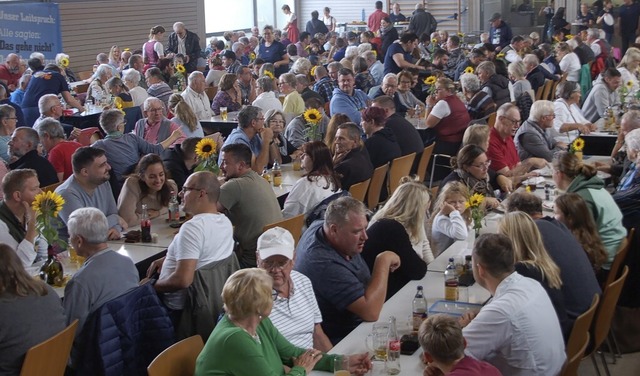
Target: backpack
(318, 211)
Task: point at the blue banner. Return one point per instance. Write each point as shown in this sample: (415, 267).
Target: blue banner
(26, 28)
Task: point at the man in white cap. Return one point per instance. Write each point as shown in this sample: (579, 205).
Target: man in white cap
(295, 311)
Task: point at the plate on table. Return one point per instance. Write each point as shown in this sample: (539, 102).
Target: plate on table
(544, 172)
(536, 180)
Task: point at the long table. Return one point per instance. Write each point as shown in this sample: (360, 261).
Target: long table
(399, 306)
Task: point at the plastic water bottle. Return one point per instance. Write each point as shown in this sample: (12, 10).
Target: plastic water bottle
(362, 15)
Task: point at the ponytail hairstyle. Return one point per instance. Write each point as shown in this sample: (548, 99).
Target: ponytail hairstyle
(571, 166)
(183, 111)
(156, 30)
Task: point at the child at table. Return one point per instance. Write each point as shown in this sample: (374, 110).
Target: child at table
(443, 345)
(450, 216)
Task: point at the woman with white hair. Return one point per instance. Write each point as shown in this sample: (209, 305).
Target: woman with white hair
(301, 66)
(97, 91)
(71, 77)
(131, 79)
(569, 117)
(520, 85)
(479, 103)
(627, 195)
(568, 61)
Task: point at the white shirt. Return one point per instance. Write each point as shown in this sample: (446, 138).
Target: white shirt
(138, 94)
(268, 101)
(518, 330)
(512, 56)
(205, 237)
(199, 103)
(571, 63)
(567, 114)
(441, 109)
(595, 47)
(305, 195)
(214, 76)
(295, 317)
(25, 249)
(447, 229)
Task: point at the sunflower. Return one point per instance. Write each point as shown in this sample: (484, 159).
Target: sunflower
(180, 68)
(475, 200)
(469, 70)
(313, 71)
(268, 74)
(375, 53)
(47, 203)
(577, 144)
(629, 84)
(461, 35)
(64, 62)
(434, 40)
(117, 102)
(252, 56)
(206, 148)
(430, 80)
(569, 36)
(527, 189)
(501, 55)
(312, 116)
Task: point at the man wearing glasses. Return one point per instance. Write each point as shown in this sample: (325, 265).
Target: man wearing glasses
(502, 150)
(205, 238)
(156, 128)
(295, 311)
(531, 140)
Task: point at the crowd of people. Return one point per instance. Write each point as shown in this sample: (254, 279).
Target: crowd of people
(342, 104)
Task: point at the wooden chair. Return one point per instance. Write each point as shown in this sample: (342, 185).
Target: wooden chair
(424, 162)
(548, 86)
(81, 88)
(177, 360)
(539, 92)
(621, 255)
(211, 92)
(88, 136)
(400, 167)
(51, 187)
(602, 322)
(492, 119)
(580, 330)
(377, 179)
(49, 358)
(293, 225)
(571, 366)
(359, 190)
(84, 75)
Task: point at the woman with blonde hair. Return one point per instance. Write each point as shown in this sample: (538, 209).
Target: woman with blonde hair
(628, 67)
(30, 311)
(450, 217)
(533, 261)
(245, 340)
(572, 176)
(115, 58)
(572, 211)
(185, 117)
(399, 227)
(568, 61)
(477, 134)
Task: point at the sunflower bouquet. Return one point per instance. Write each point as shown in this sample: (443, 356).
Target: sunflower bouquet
(624, 91)
(47, 206)
(312, 117)
(206, 152)
(431, 83)
(474, 203)
(180, 75)
(469, 69)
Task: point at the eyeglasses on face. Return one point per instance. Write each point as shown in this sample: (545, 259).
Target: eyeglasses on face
(273, 265)
(482, 166)
(514, 121)
(187, 189)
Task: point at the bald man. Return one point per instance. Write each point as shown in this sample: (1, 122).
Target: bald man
(183, 41)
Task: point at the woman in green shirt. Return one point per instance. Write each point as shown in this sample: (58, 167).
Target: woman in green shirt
(245, 341)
